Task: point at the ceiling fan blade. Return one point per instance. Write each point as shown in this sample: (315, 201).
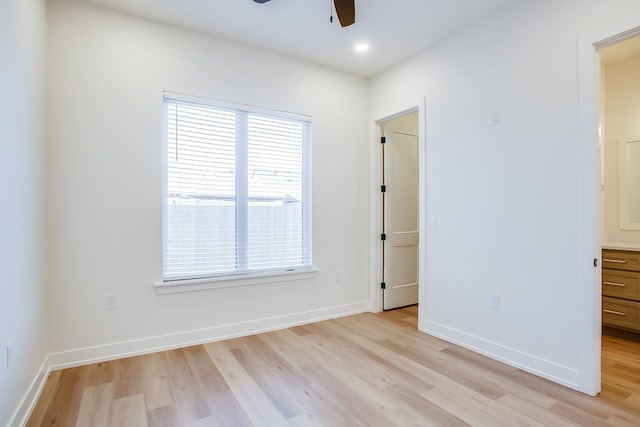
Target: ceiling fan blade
(346, 10)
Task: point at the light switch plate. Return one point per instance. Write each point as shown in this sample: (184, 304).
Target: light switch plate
(496, 119)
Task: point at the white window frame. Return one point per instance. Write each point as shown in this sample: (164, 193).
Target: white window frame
(240, 278)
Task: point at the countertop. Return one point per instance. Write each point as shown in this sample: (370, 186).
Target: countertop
(622, 247)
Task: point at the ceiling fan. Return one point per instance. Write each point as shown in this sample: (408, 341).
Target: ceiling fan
(346, 10)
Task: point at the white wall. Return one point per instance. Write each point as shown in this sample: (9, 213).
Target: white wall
(621, 120)
(22, 294)
(107, 72)
(507, 197)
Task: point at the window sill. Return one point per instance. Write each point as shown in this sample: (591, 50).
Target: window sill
(191, 285)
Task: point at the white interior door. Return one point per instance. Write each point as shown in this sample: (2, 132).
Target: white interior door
(401, 220)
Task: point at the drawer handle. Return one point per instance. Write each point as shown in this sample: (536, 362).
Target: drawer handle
(620, 285)
(617, 313)
(615, 261)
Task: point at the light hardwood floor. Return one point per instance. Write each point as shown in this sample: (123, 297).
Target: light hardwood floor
(368, 369)
(621, 371)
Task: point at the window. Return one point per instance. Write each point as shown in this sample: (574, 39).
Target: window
(236, 191)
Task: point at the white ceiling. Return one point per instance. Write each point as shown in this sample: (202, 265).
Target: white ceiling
(396, 30)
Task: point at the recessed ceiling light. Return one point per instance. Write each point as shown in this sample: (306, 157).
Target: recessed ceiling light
(362, 47)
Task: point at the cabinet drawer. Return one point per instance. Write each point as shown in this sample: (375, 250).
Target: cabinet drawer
(621, 284)
(621, 313)
(621, 260)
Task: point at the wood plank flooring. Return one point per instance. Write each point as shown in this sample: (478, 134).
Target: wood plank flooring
(368, 369)
(621, 371)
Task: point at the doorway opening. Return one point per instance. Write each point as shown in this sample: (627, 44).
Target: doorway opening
(619, 84)
(399, 210)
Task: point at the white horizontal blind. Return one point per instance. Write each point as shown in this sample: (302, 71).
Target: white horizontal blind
(275, 227)
(235, 199)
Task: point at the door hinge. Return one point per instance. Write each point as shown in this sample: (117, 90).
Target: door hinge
(383, 285)
(383, 188)
(383, 140)
(383, 237)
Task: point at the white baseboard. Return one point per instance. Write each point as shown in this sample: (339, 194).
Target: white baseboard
(101, 353)
(527, 362)
(28, 402)
(84, 356)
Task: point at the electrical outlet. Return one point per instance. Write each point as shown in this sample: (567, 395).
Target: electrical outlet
(338, 276)
(110, 302)
(9, 354)
(495, 301)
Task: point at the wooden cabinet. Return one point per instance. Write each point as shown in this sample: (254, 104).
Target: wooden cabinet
(621, 289)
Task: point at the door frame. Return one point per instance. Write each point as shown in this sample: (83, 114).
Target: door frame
(375, 211)
(589, 188)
